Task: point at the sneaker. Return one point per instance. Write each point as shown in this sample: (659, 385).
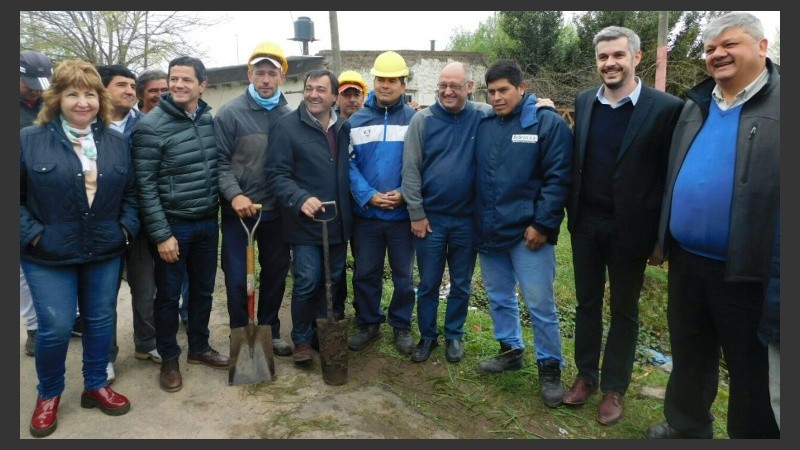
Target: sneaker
(30, 343)
(550, 382)
(151, 355)
(507, 359)
(364, 337)
(403, 341)
(302, 352)
(281, 347)
(77, 329)
(111, 376)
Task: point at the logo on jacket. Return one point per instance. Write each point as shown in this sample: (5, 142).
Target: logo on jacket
(525, 138)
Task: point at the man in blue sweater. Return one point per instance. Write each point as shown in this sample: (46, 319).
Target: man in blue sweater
(717, 218)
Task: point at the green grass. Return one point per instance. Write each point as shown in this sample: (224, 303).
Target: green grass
(507, 405)
(471, 405)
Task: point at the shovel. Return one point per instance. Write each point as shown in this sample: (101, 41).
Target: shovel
(332, 334)
(252, 360)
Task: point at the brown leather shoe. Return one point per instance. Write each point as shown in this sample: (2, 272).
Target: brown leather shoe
(302, 352)
(210, 358)
(110, 402)
(581, 389)
(610, 409)
(170, 377)
(44, 419)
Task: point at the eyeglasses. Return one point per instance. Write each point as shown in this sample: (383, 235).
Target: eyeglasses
(453, 86)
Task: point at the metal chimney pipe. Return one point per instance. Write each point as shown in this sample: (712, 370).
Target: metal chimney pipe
(433, 45)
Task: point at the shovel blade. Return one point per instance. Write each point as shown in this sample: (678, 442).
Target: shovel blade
(333, 350)
(251, 350)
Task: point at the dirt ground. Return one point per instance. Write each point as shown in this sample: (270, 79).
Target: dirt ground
(297, 404)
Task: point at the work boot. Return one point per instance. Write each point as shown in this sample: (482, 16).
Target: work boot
(507, 359)
(170, 377)
(30, 343)
(403, 341)
(364, 337)
(550, 382)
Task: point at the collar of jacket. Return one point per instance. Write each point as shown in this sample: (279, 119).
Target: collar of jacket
(701, 92)
(372, 102)
(170, 107)
(525, 109)
(306, 118)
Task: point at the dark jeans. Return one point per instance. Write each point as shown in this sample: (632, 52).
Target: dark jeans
(450, 242)
(198, 241)
(309, 300)
(372, 239)
(140, 272)
(596, 248)
(705, 314)
(273, 259)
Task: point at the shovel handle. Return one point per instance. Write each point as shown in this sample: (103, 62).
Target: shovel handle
(251, 265)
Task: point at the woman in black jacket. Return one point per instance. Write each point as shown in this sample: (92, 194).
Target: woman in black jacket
(77, 212)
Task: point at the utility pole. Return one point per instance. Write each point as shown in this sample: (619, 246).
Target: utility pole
(661, 51)
(337, 56)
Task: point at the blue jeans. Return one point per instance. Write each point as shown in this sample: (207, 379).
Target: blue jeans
(308, 293)
(56, 292)
(372, 239)
(197, 240)
(451, 242)
(273, 259)
(535, 272)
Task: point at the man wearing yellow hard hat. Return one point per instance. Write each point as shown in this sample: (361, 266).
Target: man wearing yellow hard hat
(241, 129)
(381, 221)
(352, 92)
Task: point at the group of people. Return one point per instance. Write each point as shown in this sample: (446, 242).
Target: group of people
(447, 186)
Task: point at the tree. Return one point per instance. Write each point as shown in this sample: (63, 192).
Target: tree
(136, 39)
(559, 57)
(489, 38)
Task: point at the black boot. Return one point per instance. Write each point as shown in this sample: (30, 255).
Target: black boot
(550, 382)
(364, 337)
(507, 359)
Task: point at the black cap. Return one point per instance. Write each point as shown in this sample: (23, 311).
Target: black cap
(35, 69)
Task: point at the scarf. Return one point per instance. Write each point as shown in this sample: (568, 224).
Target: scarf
(85, 139)
(266, 103)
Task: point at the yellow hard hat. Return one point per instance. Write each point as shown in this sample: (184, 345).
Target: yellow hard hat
(390, 65)
(268, 51)
(351, 78)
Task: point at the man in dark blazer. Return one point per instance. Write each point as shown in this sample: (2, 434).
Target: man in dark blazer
(622, 136)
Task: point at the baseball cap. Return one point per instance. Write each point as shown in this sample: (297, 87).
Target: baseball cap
(346, 86)
(35, 69)
(259, 59)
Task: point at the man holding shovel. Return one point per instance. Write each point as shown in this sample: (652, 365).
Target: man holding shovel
(307, 164)
(242, 131)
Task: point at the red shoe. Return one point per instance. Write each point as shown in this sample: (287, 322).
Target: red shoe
(107, 400)
(44, 420)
